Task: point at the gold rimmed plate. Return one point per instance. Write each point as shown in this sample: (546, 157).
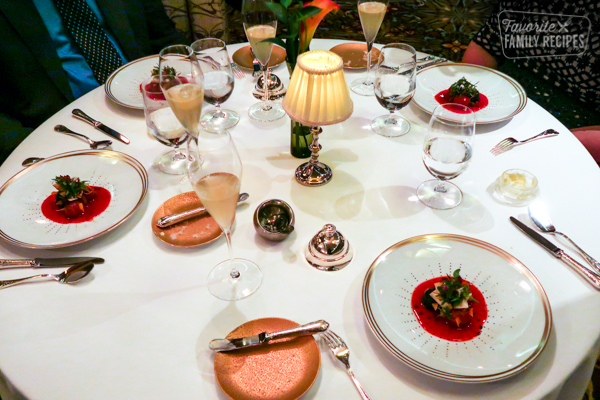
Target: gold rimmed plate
(519, 315)
(123, 85)
(354, 55)
(284, 369)
(25, 225)
(506, 96)
(192, 232)
(243, 57)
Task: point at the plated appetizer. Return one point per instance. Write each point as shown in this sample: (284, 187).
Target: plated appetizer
(74, 201)
(450, 308)
(465, 93)
(153, 88)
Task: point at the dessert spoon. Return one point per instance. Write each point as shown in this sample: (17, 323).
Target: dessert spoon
(101, 144)
(70, 275)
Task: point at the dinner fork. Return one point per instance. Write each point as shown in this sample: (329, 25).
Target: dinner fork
(510, 142)
(341, 352)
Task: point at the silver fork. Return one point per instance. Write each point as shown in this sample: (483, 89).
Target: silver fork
(510, 142)
(342, 353)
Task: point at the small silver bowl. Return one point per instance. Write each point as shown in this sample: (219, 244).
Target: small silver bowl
(274, 220)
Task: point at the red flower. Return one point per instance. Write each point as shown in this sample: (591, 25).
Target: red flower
(309, 26)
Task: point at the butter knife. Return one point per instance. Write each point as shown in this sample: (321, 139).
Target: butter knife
(591, 276)
(47, 262)
(173, 219)
(266, 337)
(99, 125)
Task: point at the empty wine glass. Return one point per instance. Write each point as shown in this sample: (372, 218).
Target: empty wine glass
(182, 83)
(260, 24)
(216, 174)
(215, 63)
(371, 13)
(447, 153)
(395, 85)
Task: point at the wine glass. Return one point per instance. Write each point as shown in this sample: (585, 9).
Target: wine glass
(371, 13)
(447, 153)
(182, 83)
(395, 85)
(215, 174)
(260, 24)
(215, 63)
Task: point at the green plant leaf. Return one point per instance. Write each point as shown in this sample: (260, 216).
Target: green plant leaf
(277, 41)
(279, 11)
(286, 3)
(307, 12)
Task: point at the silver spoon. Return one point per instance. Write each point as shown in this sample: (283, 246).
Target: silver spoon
(30, 161)
(70, 275)
(540, 217)
(101, 144)
(172, 219)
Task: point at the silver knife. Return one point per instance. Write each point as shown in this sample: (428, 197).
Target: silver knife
(266, 337)
(47, 262)
(173, 219)
(591, 276)
(99, 125)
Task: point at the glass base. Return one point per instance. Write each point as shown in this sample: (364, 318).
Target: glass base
(216, 122)
(227, 286)
(439, 194)
(363, 87)
(317, 174)
(390, 125)
(266, 112)
(169, 165)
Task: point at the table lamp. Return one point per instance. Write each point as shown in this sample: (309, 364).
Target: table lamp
(317, 95)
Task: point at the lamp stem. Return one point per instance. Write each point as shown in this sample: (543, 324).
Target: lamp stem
(315, 147)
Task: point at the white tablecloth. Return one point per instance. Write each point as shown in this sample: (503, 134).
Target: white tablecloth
(139, 328)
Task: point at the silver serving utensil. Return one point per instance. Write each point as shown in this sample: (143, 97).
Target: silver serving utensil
(511, 142)
(172, 219)
(540, 217)
(266, 337)
(70, 275)
(100, 144)
(30, 161)
(341, 352)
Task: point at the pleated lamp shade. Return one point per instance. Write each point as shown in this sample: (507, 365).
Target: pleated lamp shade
(318, 94)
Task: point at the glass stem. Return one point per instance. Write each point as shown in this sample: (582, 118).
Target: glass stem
(267, 105)
(219, 113)
(368, 79)
(234, 273)
(440, 188)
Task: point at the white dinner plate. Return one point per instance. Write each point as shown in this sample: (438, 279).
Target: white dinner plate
(123, 85)
(519, 315)
(506, 96)
(23, 194)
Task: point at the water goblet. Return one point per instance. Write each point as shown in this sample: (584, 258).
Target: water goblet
(215, 174)
(371, 13)
(215, 63)
(447, 153)
(395, 85)
(260, 24)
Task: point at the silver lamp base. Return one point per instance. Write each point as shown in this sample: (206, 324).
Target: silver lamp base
(314, 172)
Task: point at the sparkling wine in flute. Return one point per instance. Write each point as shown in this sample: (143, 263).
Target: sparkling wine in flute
(371, 16)
(256, 34)
(446, 158)
(219, 194)
(218, 86)
(186, 102)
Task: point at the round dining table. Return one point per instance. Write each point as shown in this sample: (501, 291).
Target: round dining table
(139, 326)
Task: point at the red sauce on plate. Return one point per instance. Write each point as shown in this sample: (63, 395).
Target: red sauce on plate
(91, 210)
(440, 326)
(443, 97)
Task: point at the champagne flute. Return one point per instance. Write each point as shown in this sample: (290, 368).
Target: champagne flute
(371, 13)
(447, 153)
(215, 174)
(182, 83)
(395, 85)
(215, 63)
(260, 24)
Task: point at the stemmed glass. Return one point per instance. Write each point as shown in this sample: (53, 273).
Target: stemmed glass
(182, 83)
(215, 174)
(395, 85)
(215, 63)
(260, 24)
(447, 153)
(371, 13)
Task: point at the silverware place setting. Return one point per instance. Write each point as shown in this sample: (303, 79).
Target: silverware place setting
(94, 144)
(47, 262)
(70, 275)
(99, 125)
(509, 143)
